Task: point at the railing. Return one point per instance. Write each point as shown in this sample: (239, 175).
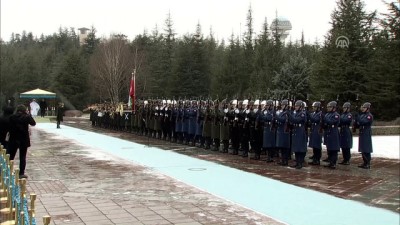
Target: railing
(14, 207)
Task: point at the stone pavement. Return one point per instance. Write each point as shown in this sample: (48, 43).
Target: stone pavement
(75, 188)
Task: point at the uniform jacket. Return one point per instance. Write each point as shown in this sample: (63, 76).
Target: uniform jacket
(266, 120)
(331, 129)
(192, 120)
(364, 122)
(224, 128)
(298, 121)
(282, 135)
(315, 136)
(346, 136)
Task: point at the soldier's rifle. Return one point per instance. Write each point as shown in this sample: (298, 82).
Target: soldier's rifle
(321, 118)
(355, 116)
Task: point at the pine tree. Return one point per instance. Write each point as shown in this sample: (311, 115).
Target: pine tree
(293, 78)
(342, 69)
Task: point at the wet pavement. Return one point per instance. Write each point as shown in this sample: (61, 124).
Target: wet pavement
(74, 187)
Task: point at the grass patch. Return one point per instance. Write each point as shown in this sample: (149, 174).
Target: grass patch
(44, 119)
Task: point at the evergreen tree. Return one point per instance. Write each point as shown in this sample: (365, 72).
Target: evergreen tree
(292, 81)
(72, 81)
(342, 69)
(166, 75)
(91, 42)
(248, 63)
(383, 83)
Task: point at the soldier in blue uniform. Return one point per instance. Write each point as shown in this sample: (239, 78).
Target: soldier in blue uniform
(199, 124)
(266, 120)
(331, 127)
(192, 123)
(283, 133)
(346, 137)
(185, 123)
(298, 121)
(315, 141)
(363, 123)
(207, 126)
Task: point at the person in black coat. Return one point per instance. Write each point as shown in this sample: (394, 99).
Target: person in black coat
(60, 114)
(19, 136)
(43, 107)
(5, 125)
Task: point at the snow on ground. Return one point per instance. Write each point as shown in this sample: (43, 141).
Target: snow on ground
(383, 146)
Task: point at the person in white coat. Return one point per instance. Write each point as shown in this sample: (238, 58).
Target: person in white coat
(34, 108)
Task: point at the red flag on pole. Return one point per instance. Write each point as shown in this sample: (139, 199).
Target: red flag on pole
(132, 91)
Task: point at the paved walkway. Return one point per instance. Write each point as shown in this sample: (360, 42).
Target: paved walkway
(76, 185)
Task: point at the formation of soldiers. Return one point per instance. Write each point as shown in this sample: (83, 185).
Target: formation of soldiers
(280, 128)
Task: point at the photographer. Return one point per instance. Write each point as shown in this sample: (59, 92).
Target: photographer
(19, 136)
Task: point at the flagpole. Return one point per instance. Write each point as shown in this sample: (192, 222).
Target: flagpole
(134, 89)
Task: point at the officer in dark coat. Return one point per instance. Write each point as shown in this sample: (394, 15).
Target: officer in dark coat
(364, 123)
(19, 136)
(283, 132)
(43, 107)
(331, 127)
(315, 140)
(60, 114)
(298, 121)
(346, 137)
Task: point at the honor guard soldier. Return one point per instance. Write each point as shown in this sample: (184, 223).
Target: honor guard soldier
(174, 115)
(192, 123)
(253, 130)
(315, 139)
(178, 124)
(346, 137)
(267, 122)
(207, 125)
(224, 128)
(215, 126)
(235, 134)
(199, 123)
(167, 121)
(185, 122)
(244, 118)
(298, 121)
(283, 132)
(364, 122)
(331, 127)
